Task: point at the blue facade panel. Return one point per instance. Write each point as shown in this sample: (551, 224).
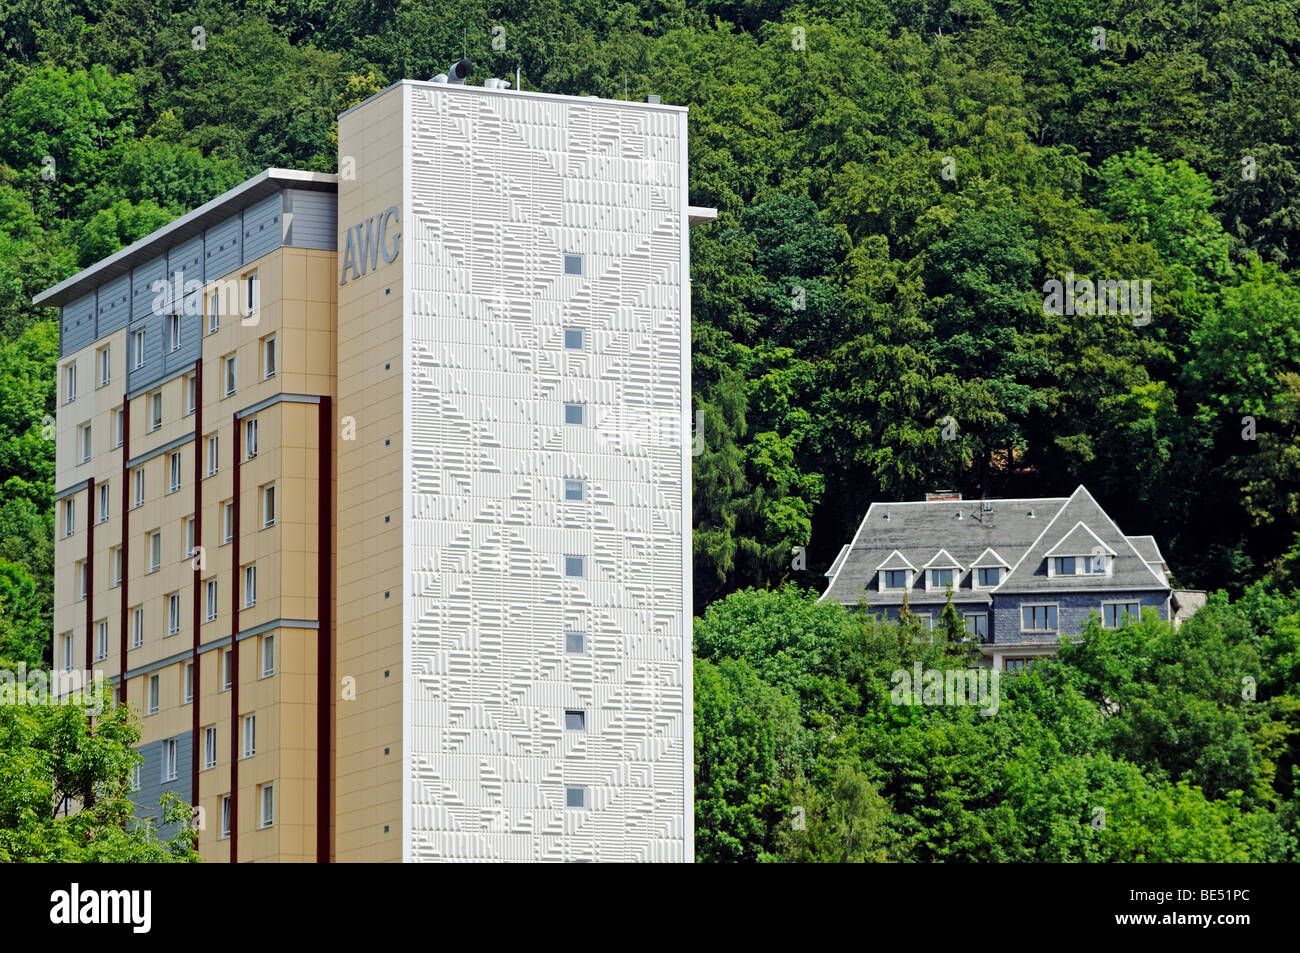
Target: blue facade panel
(263, 227)
(78, 325)
(143, 286)
(222, 248)
(152, 368)
(114, 306)
(153, 783)
(313, 219)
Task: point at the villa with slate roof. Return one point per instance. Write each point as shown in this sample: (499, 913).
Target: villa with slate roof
(1023, 573)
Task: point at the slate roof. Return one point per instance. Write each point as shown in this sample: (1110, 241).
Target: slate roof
(1021, 531)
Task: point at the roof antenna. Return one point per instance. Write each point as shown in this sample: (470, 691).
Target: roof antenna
(517, 86)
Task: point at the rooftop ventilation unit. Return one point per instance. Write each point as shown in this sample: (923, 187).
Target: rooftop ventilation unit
(456, 73)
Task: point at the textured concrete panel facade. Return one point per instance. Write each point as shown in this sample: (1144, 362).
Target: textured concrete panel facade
(527, 216)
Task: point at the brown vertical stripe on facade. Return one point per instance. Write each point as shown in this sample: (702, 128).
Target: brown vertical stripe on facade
(324, 634)
(199, 450)
(126, 520)
(234, 660)
(90, 572)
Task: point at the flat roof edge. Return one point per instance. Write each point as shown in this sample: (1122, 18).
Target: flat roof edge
(527, 93)
(236, 199)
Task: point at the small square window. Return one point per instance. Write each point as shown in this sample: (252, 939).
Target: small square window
(573, 265)
(574, 491)
(575, 567)
(573, 339)
(575, 414)
(575, 720)
(575, 643)
(575, 797)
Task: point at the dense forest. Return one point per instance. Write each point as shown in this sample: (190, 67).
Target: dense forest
(898, 182)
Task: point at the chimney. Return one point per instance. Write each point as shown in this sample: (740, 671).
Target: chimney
(942, 496)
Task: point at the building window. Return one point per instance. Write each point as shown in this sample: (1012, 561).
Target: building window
(895, 578)
(101, 639)
(268, 505)
(1038, 618)
(209, 747)
(575, 567)
(70, 383)
(105, 366)
(1094, 565)
(1017, 664)
(119, 426)
(191, 393)
(191, 544)
(139, 486)
(575, 414)
(173, 613)
(250, 586)
(227, 670)
(153, 694)
(187, 683)
(137, 627)
(173, 332)
(87, 443)
(214, 312)
(250, 735)
(575, 643)
(250, 438)
(977, 624)
(228, 521)
(268, 357)
(134, 781)
(1115, 614)
(175, 471)
(925, 620)
(268, 655)
(267, 800)
(104, 503)
(155, 410)
(1064, 565)
(115, 555)
(251, 293)
(941, 578)
(573, 339)
(155, 551)
(573, 265)
(575, 797)
(69, 517)
(80, 573)
(212, 600)
(225, 816)
(213, 459)
(68, 647)
(230, 363)
(575, 719)
(574, 491)
(138, 338)
(168, 759)
(988, 578)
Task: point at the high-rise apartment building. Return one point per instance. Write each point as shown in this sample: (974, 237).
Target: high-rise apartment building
(373, 489)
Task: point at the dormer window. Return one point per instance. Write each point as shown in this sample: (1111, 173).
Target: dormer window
(988, 577)
(895, 578)
(942, 572)
(1065, 566)
(941, 578)
(1095, 565)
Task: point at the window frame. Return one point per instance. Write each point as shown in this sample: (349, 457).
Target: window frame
(1121, 607)
(209, 747)
(104, 359)
(582, 339)
(1048, 617)
(582, 565)
(250, 735)
(582, 414)
(230, 374)
(886, 573)
(173, 613)
(154, 697)
(250, 585)
(137, 627)
(139, 339)
(265, 648)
